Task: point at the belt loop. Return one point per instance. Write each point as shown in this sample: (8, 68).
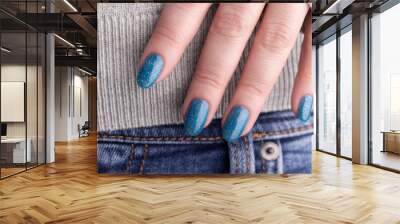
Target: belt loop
(280, 159)
(241, 155)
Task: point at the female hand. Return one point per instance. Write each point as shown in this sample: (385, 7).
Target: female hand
(229, 32)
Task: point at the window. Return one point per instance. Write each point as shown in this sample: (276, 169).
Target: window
(22, 78)
(327, 96)
(385, 88)
(335, 137)
(346, 75)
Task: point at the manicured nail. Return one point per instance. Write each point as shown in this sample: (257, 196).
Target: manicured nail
(196, 117)
(150, 70)
(305, 108)
(235, 123)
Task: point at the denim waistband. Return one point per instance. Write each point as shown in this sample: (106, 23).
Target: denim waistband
(280, 128)
(272, 125)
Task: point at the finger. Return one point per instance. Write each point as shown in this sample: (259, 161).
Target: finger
(226, 39)
(272, 45)
(176, 27)
(302, 95)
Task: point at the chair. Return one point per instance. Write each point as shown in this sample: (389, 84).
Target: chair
(84, 130)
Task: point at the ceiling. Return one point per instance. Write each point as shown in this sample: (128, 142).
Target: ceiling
(332, 15)
(75, 23)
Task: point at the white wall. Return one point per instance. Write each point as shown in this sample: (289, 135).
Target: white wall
(62, 82)
(81, 84)
(69, 82)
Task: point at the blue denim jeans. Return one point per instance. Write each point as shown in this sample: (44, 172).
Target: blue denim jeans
(278, 143)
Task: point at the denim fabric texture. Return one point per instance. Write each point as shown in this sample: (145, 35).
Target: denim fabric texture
(167, 149)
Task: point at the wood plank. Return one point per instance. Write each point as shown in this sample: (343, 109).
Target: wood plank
(71, 191)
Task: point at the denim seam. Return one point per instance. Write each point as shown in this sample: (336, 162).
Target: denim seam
(131, 158)
(256, 135)
(245, 151)
(237, 170)
(248, 156)
(263, 165)
(264, 162)
(237, 155)
(144, 157)
(278, 159)
(246, 147)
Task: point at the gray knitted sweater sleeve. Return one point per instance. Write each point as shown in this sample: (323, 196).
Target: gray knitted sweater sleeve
(123, 31)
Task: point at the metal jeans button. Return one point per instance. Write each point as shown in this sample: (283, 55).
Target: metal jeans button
(270, 151)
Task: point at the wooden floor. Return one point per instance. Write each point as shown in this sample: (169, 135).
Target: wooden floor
(5, 172)
(70, 191)
(10, 171)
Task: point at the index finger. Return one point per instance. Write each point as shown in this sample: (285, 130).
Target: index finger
(175, 29)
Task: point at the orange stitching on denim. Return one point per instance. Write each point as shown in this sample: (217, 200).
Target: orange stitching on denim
(256, 135)
(122, 137)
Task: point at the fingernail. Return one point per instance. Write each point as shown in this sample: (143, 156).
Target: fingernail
(235, 123)
(305, 108)
(196, 117)
(150, 70)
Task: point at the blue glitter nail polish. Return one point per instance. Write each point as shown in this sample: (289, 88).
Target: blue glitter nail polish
(196, 117)
(235, 123)
(305, 108)
(150, 70)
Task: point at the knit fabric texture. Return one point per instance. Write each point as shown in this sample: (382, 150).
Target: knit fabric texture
(123, 31)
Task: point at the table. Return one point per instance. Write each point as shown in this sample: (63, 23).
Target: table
(391, 141)
(16, 147)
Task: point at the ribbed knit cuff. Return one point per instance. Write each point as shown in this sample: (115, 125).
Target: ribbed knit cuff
(123, 31)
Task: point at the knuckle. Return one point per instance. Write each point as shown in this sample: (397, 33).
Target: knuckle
(257, 89)
(307, 76)
(304, 75)
(276, 38)
(184, 7)
(208, 78)
(230, 22)
(168, 35)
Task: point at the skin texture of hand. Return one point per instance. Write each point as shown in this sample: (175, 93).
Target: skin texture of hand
(228, 35)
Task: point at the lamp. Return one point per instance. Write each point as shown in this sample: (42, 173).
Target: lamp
(5, 50)
(70, 5)
(64, 40)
